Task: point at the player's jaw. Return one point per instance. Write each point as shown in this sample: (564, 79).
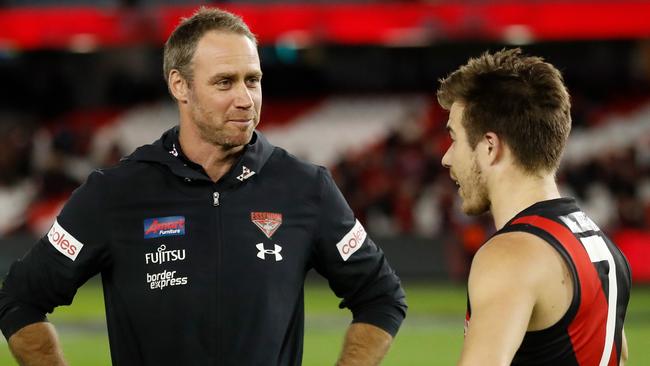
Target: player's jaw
(472, 190)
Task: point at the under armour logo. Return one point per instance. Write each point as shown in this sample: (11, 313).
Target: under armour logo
(247, 173)
(263, 252)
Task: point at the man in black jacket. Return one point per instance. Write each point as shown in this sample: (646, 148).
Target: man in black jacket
(204, 237)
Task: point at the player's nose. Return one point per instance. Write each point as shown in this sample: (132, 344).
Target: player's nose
(446, 160)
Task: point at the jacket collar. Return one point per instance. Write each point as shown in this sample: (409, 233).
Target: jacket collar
(167, 151)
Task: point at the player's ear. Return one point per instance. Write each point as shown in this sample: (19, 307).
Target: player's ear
(492, 147)
(178, 86)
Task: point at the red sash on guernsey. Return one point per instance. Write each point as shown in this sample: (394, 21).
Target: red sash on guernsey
(587, 330)
(590, 332)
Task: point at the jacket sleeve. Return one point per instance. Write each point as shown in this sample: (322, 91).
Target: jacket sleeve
(354, 265)
(74, 249)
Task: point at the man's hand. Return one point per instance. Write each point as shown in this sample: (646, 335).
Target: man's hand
(37, 345)
(365, 345)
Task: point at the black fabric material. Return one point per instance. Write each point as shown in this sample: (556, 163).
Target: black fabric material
(212, 288)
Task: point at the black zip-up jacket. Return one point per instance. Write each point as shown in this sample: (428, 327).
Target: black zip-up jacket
(202, 273)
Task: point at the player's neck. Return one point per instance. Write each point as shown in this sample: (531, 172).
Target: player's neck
(215, 160)
(515, 191)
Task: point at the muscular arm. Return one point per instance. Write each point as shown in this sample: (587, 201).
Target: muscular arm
(503, 286)
(365, 345)
(36, 345)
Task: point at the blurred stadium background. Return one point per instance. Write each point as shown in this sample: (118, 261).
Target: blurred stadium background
(349, 85)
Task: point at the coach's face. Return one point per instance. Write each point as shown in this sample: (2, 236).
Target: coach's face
(461, 160)
(225, 95)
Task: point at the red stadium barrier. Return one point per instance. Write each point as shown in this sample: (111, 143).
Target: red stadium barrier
(635, 244)
(83, 28)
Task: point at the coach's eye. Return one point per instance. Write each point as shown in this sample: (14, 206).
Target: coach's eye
(224, 83)
(253, 82)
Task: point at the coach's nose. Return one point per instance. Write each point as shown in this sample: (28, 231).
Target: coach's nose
(243, 99)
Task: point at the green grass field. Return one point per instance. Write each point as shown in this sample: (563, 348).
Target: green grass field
(431, 335)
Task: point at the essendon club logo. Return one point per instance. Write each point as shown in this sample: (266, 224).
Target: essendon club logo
(164, 226)
(268, 222)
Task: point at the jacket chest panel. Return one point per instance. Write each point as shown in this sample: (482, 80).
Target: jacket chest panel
(265, 239)
(161, 245)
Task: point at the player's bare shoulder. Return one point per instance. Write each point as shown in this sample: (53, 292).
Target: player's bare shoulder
(512, 252)
(527, 263)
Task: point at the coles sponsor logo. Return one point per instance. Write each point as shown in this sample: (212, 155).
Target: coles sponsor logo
(164, 226)
(65, 243)
(352, 241)
(268, 222)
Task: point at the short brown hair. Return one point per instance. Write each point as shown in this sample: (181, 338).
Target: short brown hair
(181, 45)
(520, 98)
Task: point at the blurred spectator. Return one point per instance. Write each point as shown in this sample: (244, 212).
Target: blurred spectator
(58, 170)
(16, 187)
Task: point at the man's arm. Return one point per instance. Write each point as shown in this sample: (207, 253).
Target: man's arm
(365, 345)
(503, 289)
(358, 273)
(74, 249)
(37, 345)
(624, 350)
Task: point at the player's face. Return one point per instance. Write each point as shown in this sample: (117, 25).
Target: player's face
(225, 95)
(461, 160)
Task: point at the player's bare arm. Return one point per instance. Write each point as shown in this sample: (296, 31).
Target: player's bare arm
(517, 283)
(624, 350)
(365, 345)
(37, 345)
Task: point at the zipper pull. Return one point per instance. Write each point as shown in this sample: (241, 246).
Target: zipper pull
(215, 199)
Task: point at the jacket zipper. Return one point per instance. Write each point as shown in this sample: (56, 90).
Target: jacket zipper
(218, 235)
